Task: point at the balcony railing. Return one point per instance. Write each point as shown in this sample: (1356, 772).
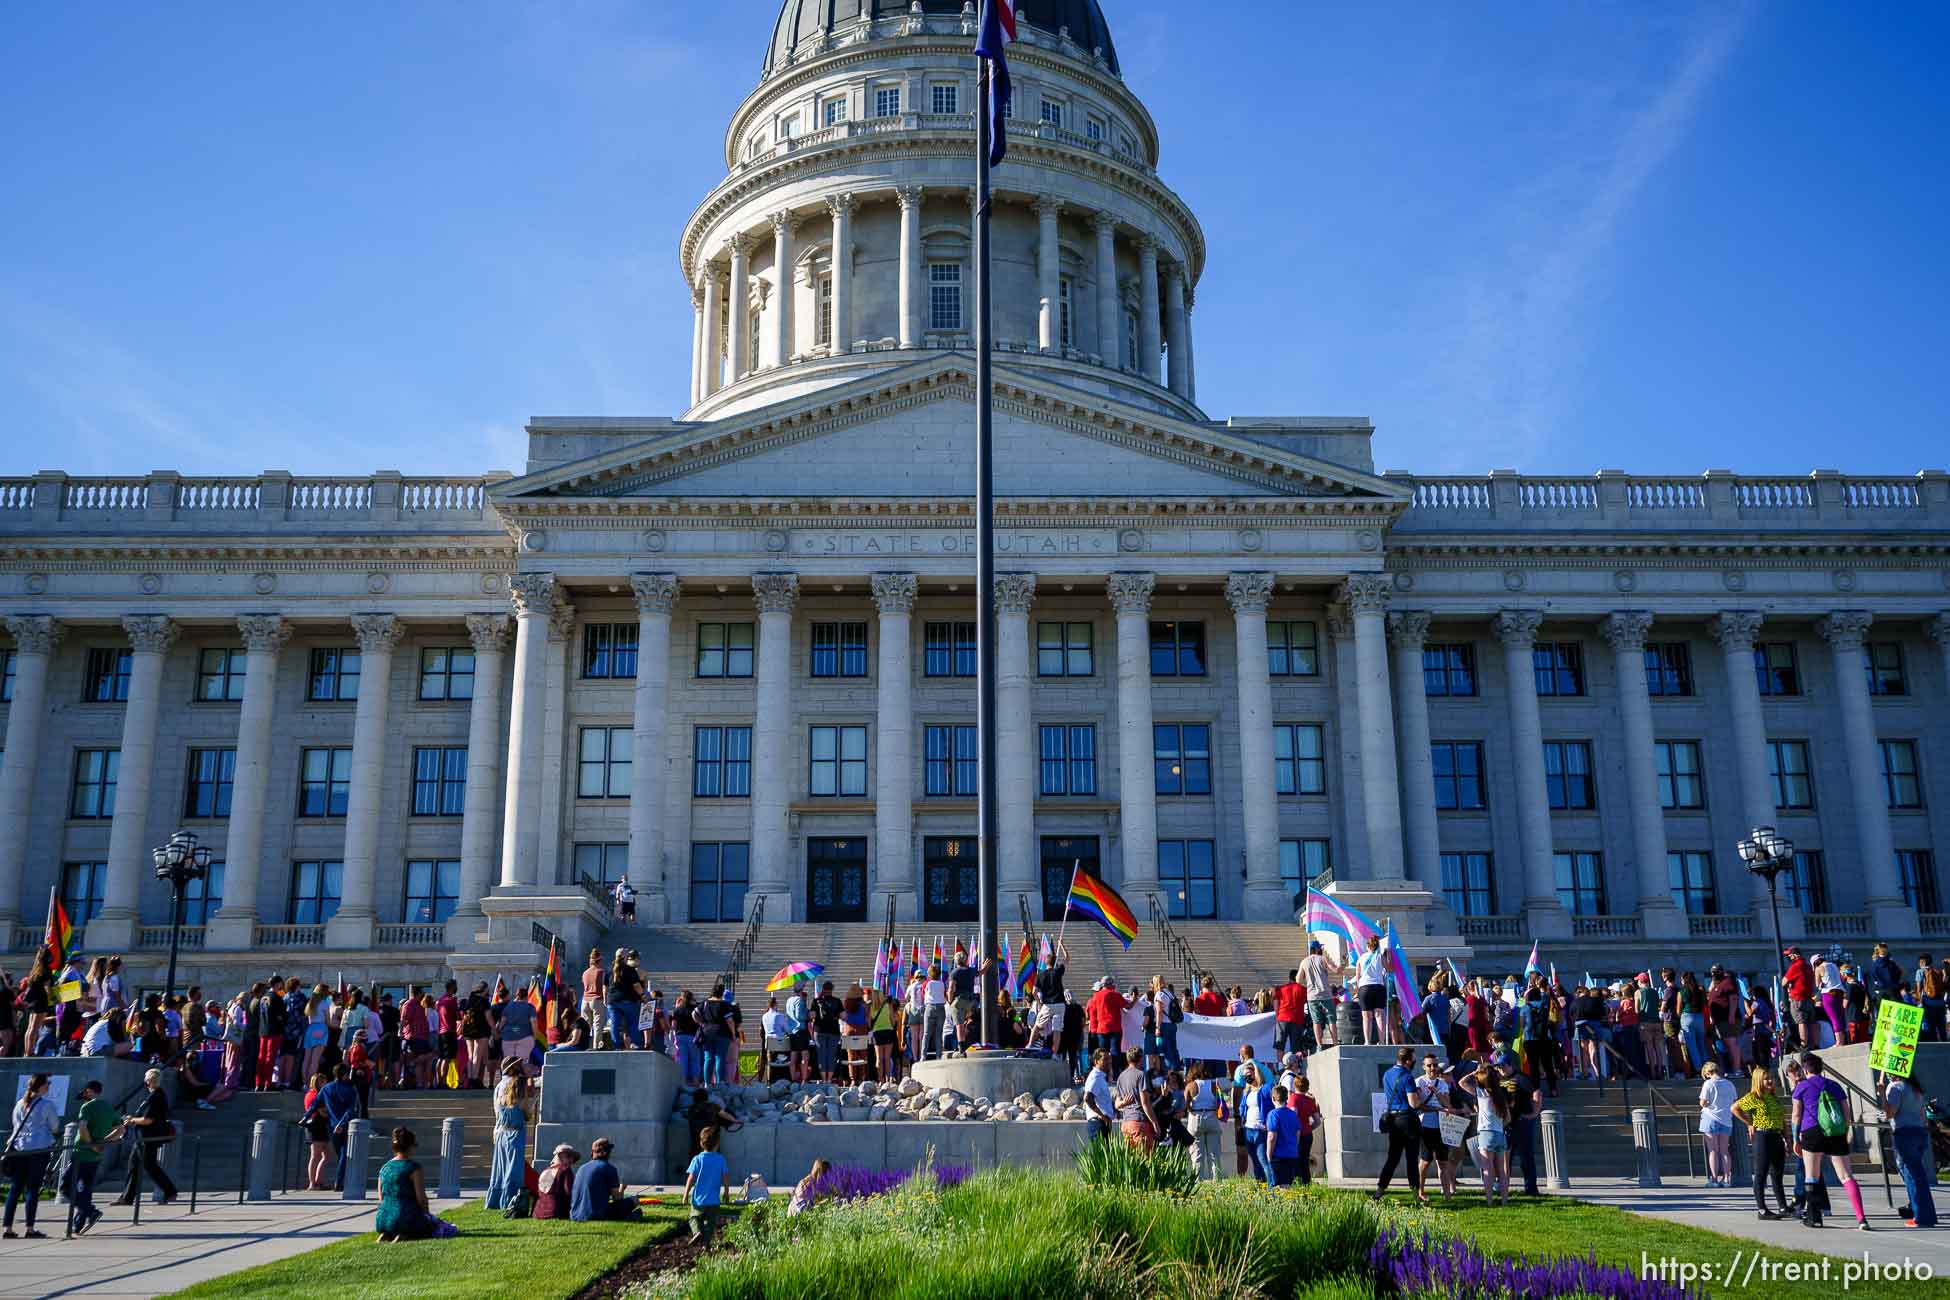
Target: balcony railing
(1490, 927)
(1720, 927)
(412, 934)
(167, 497)
(290, 936)
(157, 936)
(1835, 925)
(1934, 924)
(1605, 927)
(27, 938)
(1614, 499)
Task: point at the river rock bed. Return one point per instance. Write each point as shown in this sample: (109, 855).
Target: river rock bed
(828, 1103)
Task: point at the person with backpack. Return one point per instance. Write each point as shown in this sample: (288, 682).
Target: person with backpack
(1821, 1126)
(714, 1035)
(1168, 1012)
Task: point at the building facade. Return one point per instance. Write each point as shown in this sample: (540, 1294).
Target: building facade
(731, 653)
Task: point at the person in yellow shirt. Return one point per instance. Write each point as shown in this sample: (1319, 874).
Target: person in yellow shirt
(1764, 1111)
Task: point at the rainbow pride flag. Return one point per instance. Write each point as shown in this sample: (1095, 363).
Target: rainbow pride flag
(1025, 969)
(1093, 898)
(60, 933)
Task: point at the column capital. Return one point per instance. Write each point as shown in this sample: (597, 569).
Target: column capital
(1626, 629)
(910, 196)
(1939, 629)
(150, 633)
(894, 593)
(656, 593)
(1173, 273)
(1130, 593)
(264, 633)
(532, 593)
(377, 633)
(697, 297)
(783, 223)
(1049, 206)
(1103, 222)
(34, 634)
(1735, 629)
(840, 205)
(775, 593)
(738, 243)
(1014, 592)
(1366, 593)
(562, 619)
(1845, 629)
(1147, 245)
(1517, 628)
(1249, 592)
(1408, 629)
(488, 632)
(1340, 623)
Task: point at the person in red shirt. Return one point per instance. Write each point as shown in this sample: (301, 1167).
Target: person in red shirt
(1289, 1013)
(1799, 987)
(1209, 1002)
(1104, 1018)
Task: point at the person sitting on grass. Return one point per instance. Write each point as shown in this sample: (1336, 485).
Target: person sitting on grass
(404, 1214)
(807, 1192)
(704, 1184)
(598, 1193)
(557, 1184)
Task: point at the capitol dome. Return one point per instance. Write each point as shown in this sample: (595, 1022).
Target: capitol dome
(806, 20)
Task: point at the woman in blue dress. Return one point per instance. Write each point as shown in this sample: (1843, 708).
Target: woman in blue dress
(404, 1214)
(506, 1180)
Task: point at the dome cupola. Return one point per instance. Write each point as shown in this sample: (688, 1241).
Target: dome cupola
(807, 25)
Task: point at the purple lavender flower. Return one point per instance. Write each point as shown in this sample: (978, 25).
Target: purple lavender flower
(1406, 1266)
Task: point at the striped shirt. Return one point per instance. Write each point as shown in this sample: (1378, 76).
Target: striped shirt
(1766, 1111)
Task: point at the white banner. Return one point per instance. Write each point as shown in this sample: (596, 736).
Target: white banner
(1217, 1038)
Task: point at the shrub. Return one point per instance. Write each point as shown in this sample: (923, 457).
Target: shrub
(1413, 1267)
(1164, 1169)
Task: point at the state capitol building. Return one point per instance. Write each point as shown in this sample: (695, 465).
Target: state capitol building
(731, 651)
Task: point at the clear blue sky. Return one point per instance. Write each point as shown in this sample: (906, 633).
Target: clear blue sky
(1558, 237)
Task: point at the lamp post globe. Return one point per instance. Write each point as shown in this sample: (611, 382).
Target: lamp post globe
(1767, 854)
(179, 862)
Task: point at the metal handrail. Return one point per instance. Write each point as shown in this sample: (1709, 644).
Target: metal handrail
(1176, 949)
(893, 910)
(1028, 924)
(741, 952)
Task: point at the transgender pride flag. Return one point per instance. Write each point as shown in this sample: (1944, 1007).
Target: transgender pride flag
(1324, 912)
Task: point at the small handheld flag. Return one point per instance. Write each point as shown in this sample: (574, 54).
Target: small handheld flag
(1404, 978)
(1091, 897)
(59, 932)
(1533, 966)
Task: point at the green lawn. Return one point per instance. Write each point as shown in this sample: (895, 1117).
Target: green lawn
(542, 1260)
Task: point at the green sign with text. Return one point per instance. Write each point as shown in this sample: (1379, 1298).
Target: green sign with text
(1898, 1026)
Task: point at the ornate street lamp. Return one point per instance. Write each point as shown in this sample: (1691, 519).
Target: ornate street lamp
(179, 862)
(1767, 854)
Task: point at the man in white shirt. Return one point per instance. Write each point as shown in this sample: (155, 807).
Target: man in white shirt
(1098, 1103)
(934, 1001)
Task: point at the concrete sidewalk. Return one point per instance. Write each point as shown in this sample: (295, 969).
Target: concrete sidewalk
(171, 1249)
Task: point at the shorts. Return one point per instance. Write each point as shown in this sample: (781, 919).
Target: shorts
(964, 1008)
(1374, 997)
(1492, 1142)
(1433, 1146)
(799, 1042)
(416, 1047)
(1714, 1127)
(1813, 1139)
(448, 1045)
(1321, 1011)
(884, 1037)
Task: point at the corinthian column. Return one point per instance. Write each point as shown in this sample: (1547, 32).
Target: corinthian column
(234, 925)
(1545, 915)
(1735, 630)
(740, 303)
(480, 810)
(1266, 899)
(1110, 317)
(1408, 631)
(1844, 631)
(1015, 750)
(128, 833)
(1177, 370)
(697, 344)
(775, 594)
(656, 596)
(1147, 357)
(1366, 597)
(894, 870)
(713, 331)
(911, 290)
(1048, 266)
(378, 635)
(534, 597)
(841, 206)
(782, 269)
(1137, 790)
(35, 636)
(1625, 630)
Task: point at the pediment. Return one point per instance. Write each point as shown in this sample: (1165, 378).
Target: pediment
(909, 434)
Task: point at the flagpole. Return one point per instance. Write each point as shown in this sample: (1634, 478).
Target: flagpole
(1076, 869)
(985, 668)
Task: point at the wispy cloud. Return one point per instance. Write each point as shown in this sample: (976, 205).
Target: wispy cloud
(1516, 337)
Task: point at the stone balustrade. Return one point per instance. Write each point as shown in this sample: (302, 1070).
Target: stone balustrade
(1611, 499)
(53, 499)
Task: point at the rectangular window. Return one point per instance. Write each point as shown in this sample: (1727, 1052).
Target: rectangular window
(948, 650)
(432, 890)
(1469, 884)
(1293, 649)
(334, 674)
(1775, 668)
(82, 884)
(1668, 668)
(839, 649)
(212, 773)
(94, 783)
(1063, 311)
(1580, 883)
(839, 763)
(6, 676)
(439, 780)
(1130, 340)
(887, 101)
(1691, 877)
(1449, 669)
(1069, 761)
(1299, 758)
(833, 111)
(1178, 649)
(1301, 862)
(1183, 753)
(1679, 776)
(1458, 774)
(220, 675)
(788, 126)
(823, 317)
(1053, 113)
(1188, 878)
(1787, 762)
(107, 677)
(720, 874)
(603, 863)
(1807, 883)
(314, 892)
(446, 673)
(1093, 128)
(203, 896)
(603, 763)
(944, 294)
(1567, 775)
(1917, 871)
(1899, 777)
(325, 782)
(1065, 649)
(1125, 144)
(721, 767)
(944, 97)
(1559, 667)
(951, 769)
(609, 650)
(1884, 662)
(724, 649)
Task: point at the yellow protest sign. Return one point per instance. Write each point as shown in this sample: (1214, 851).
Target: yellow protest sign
(69, 991)
(1893, 1049)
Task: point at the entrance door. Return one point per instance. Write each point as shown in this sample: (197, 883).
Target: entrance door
(953, 878)
(836, 880)
(1061, 854)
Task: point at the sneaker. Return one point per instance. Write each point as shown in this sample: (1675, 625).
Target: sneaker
(203, 1105)
(1767, 1214)
(1909, 1223)
(33, 1233)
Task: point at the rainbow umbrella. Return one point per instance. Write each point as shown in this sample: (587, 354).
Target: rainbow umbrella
(792, 972)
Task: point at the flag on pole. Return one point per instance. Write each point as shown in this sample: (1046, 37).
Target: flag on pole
(1044, 957)
(1404, 977)
(998, 29)
(1533, 966)
(1025, 969)
(937, 950)
(60, 934)
(551, 989)
(1091, 897)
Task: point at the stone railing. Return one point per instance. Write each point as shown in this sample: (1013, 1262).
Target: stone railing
(1835, 925)
(290, 936)
(1490, 927)
(1934, 924)
(1737, 926)
(950, 123)
(1610, 499)
(157, 936)
(1605, 927)
(164, 497)
(27, 938)
(410, 934)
